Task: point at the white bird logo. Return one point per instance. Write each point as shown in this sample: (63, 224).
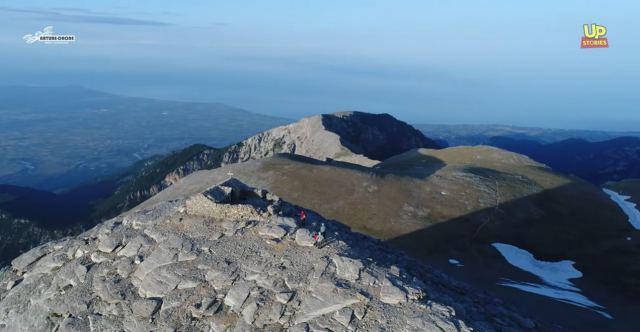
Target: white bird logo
(32, 38)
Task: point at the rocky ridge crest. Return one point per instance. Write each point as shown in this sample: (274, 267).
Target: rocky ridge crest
(230, 259)
(354, 137)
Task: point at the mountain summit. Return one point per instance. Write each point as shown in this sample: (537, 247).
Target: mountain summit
(354, 137)
(232, 259)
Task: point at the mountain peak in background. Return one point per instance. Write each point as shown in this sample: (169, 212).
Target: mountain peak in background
(376, 136)
(355, 137)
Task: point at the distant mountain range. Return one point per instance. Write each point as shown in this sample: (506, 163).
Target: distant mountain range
(455, 135)
(56, 138)
(596, 156)
(599, 162)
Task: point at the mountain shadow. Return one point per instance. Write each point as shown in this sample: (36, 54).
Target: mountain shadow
(376, 136)
(398, 167)
(590, 231)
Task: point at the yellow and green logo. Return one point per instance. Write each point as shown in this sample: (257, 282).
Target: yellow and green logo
(594, 36)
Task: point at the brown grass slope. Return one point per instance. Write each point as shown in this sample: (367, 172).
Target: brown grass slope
(456, 200)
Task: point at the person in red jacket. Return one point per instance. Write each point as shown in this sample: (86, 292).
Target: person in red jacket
(303, 217)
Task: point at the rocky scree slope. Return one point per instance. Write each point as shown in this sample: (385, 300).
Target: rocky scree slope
(229, 259)
(354, 137)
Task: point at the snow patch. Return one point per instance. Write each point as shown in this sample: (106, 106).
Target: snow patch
(455, 262)
(566, 296)
(555, 275)
(629, 208)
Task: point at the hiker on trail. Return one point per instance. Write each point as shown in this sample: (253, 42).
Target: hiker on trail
(318, 237)
(303, 217)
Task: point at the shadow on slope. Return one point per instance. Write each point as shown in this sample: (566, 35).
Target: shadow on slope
(628, 187)
(586, 231)
(427, 166)
(460, 201)
(51, 210)
(589, 230)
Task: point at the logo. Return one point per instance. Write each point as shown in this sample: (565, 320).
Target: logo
(594, 36)
(48, 37)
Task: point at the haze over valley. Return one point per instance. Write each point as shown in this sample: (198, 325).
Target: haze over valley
(56, 138)
(315, 166)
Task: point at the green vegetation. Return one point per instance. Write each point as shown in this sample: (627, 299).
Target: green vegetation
(19, 235)
(140, 178)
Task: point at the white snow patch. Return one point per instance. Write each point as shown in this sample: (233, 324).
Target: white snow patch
(455, 262)
(629, 208)
(555, 276)
(567, 296)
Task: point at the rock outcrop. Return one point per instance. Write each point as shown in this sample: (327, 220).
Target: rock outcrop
(354, 137)
(231, 259)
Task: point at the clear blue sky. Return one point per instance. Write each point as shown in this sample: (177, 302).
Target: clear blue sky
(511, 62)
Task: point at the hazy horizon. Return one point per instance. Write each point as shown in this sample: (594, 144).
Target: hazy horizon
(423, 62)
(293, 119)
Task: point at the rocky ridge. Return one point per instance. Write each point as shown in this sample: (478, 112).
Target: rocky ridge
(354, 137)
(230, 259)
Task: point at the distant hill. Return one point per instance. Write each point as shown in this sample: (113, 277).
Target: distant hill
(455, 135)
(598, 162)
(56, 138)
